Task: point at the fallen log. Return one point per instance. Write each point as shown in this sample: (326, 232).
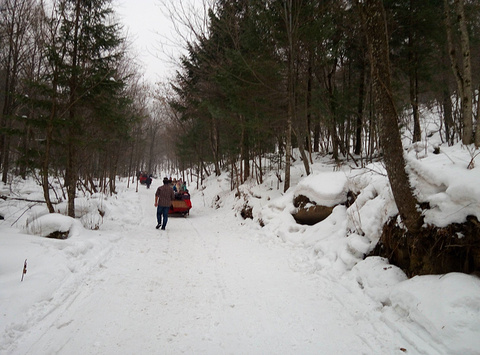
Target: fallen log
(3, 197)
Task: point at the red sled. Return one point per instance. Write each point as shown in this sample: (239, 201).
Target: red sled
(143, 179)
(181, 205)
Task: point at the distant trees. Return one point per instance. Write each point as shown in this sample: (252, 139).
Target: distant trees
(72, 104)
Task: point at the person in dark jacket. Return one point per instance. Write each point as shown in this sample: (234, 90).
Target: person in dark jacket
(163, 199)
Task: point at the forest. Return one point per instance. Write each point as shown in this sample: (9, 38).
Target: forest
(261, 78)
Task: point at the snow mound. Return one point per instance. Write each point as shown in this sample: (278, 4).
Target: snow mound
(326, 188)
(447, 306)
(377, 277)
(54, 222)
(374, 203)
(444, 181)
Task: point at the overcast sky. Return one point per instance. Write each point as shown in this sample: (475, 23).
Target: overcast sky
(149, 29)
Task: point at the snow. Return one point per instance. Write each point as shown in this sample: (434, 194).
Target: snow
(328, 187)
(451, 188)
(214, 283)
(49, 223)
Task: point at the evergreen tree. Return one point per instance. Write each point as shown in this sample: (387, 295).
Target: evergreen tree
(84, 88)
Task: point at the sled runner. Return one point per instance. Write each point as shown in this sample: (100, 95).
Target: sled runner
(181, 205)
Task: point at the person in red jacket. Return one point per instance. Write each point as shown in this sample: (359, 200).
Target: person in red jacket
(163, 199)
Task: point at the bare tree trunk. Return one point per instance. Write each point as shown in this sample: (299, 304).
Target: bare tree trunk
(11, 9)
(377, 38)
(260, 169)
(151, 152)
(46, 157)
(413, 77)
(316, 137)
(215, 145)
(71, 169)
(361, 102)
(477, 130)
(130, 164)
(447, 116)
(417, 131)
(467, 98)
(301, 148)
(291, 25)
(113, 174)
(302, 126)
(330, 82)
(245, 151)
(462, 75)
(288, 153)
(308, 103)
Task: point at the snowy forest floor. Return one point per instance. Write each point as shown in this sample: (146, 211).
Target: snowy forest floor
(209, 284)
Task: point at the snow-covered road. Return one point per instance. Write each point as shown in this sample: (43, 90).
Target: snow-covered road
(206, 285)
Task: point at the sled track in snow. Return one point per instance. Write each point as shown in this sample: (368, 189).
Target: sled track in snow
(205, 285)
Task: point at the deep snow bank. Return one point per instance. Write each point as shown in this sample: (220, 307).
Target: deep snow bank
(446, 306)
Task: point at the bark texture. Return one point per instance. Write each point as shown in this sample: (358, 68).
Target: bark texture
(390, 140)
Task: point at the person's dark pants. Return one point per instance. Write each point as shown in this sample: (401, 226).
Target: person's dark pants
(162, 211)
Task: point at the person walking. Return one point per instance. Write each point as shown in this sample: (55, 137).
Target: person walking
(163, 199)
(148, 181)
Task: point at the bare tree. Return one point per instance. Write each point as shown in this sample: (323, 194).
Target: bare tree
(290, 17)
(189, 21)
(462, 70)
(15, 20)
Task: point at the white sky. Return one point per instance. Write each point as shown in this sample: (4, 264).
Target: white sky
(149, 28)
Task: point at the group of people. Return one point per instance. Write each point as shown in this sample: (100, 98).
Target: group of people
(144, 178)
(179, 186)
(163, 199)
